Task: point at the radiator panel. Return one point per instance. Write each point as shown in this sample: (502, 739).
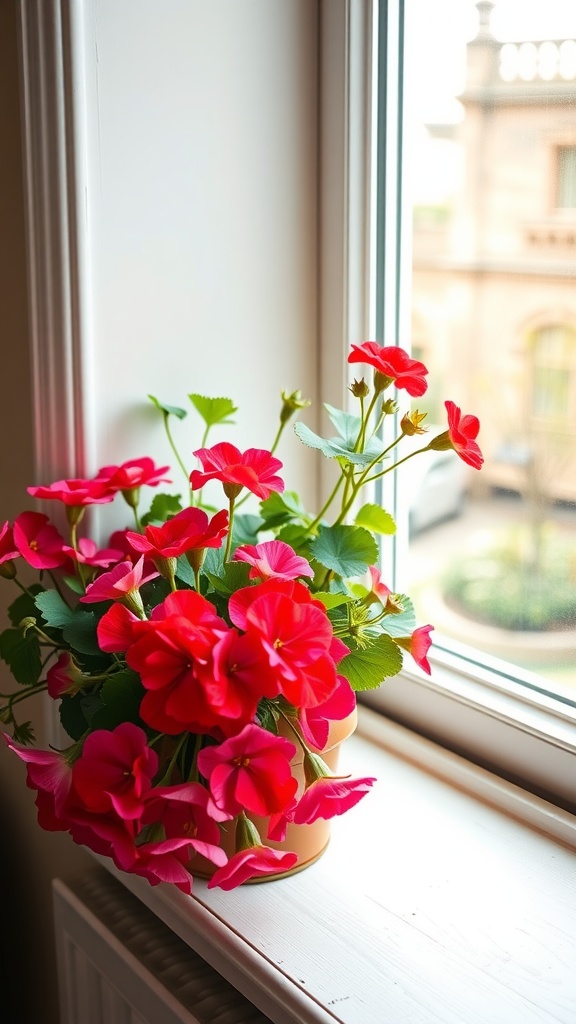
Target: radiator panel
(118, 964)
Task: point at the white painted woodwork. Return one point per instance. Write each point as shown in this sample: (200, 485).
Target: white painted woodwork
(435, 901)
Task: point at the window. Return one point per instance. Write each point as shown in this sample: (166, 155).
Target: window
(566, 181)
(553, 356)
(462, 168)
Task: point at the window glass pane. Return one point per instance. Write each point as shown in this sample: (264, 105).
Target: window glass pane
(567, 176)
(490, 150)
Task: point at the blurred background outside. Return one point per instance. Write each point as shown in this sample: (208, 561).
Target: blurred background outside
(490, 150)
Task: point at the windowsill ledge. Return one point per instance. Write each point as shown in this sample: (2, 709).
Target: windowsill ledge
(435, 901)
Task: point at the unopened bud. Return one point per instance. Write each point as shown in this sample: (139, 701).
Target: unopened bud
(389, 407)
(8, 569)
(290, 404)
(359, 388)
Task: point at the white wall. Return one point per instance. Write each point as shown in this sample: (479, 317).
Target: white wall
(201, 182)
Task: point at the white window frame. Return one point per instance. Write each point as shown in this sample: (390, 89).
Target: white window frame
(477, 710)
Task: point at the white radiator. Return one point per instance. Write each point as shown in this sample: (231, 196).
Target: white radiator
(118, 964)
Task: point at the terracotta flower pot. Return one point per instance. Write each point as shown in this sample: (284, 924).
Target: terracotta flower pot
(307, 841)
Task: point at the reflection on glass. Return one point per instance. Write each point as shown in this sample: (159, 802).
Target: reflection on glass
(491, 156)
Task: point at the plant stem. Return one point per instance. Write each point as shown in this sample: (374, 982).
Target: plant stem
(176, 452)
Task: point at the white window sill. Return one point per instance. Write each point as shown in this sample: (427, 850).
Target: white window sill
(435, 902)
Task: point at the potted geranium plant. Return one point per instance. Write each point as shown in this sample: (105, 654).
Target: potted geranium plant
(201, 658)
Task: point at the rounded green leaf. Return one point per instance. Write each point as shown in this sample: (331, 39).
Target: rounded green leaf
(346, 550)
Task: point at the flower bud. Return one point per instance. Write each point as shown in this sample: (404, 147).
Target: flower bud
(381, 381)
(290, 404)
(359, 388)
(8, 569)
(389, 407)
(6, 715)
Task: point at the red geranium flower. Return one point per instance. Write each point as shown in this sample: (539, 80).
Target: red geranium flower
(115, 769)
(77, 493)
(273, 559)
(168, 652)
(296, 634)
(315, 722)
(115, 629)
(463, 431)
(188, 529)
(392, 363)
(38, 541)
(133, 474)
(64, 676)
(250, 771)
(255, 469)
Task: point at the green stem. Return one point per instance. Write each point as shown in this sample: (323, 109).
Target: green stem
(231, 502)
(326, 506)
(165, 780)
(368, 480)
(137, 519)
(175, 450)
(30, 691)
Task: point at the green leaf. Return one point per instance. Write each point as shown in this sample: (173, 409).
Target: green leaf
(341, 447)
(24, 606)
(346, 550)
(214, 410)
(376, 519)
(366, 668)
(120, 698)
(184, 571)
(72, 715)
(22, 655)
(54, 609)
(332, 600)
(168, 410)
(80, 633)
(233, 577)
(245, 528)
(162, 508)
(402, 624)
(279, 509)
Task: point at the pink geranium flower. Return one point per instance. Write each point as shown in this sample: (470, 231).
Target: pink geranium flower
(250, 771)
(394, 364)
(8, 549)
(115, 769)
(463, 431)
(133, 474)
(188, 529)
(250, 863)
(273, 559)
(121, 583)
(46, 771)
(327, 796)
(255, 469)
(187, 811)
(88, 553)
(74, 493)
(418, 646)
(39, 543)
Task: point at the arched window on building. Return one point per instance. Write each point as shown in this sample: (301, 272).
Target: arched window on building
(552, 351)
